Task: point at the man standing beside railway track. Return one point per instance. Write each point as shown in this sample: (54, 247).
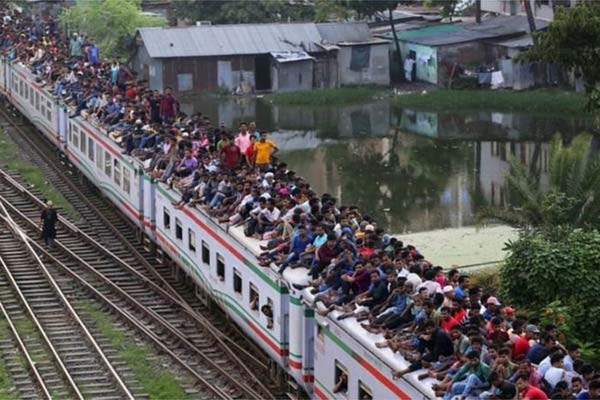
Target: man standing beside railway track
(48, 219)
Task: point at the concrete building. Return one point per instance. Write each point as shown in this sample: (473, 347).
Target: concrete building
(443, 52)
(248, 58)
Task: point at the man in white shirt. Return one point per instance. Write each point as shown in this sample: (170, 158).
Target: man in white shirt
(431, 285)
(268, 217)
(556, 372)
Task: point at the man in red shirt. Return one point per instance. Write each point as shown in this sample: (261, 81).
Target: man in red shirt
(168, 107)
(528, 392)
(446, 320)
(230, 154)
(521, 345)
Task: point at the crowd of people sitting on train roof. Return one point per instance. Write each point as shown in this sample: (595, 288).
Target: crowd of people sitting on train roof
(449, 330)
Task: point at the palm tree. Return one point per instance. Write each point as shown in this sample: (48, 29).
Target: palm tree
(571, 199)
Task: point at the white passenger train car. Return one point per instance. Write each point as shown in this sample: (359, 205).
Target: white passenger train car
(222, 262)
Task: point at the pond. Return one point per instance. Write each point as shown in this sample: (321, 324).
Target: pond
(416, 172)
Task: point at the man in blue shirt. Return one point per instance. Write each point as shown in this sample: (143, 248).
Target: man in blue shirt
(460, 292)
(298, 247)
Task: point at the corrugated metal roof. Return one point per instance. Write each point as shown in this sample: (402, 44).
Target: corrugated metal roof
(518, 43)
(344, 32)
(290, 56)
(487, 29)
(219, 40)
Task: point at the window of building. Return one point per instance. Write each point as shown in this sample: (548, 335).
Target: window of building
(91, 149)
(107, 164)
(237, 281)
(178, 229)
(364, 393)
(99, 162)
(192, 240)
(220, 267)
(126, 180)
(166, 219)
(253, 298)
(83, 142)
(340, 378)
(117, 172)
(205, 253)
(185, 82)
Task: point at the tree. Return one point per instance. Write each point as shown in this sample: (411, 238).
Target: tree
(368, 8)
(111, 24)
(573, 40)
(447, 7)
(327, 9)
(240, 11)
(572, 199)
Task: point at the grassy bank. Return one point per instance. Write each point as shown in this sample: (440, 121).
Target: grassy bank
(10, 158)
(158, 383)
(531, 101)
(327, 97)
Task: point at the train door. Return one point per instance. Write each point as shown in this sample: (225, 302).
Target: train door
(63, 126)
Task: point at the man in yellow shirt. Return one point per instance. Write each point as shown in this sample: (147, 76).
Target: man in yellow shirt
(263, 152)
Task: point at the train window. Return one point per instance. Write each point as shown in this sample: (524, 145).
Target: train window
(254, 298)
(178, 229)
(99, 153)
(75, 138)
(83, 143)
(107, 163)
(220, 267)
(364, 393)
(191, 240)
(320, 333)
(267, 310)
(31, 95)
(49, 114)
(117, 172)
(26, 93)
(237, 281)
(126, 180)
(205, 253)
(166, 219)
(340, 378)
(43, 109)
(91, 149)
(37, 101)
(21, 88)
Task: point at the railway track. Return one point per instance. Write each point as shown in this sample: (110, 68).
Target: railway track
(66, 358)
(145, 305)
(105, 224)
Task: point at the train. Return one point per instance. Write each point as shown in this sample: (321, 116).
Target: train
(311, 352)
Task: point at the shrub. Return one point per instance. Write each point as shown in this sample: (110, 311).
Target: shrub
(542, 269)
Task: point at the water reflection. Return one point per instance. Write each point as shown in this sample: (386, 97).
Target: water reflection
(413, 171)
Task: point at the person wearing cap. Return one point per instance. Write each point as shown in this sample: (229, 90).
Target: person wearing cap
(76, 42)
(521, 346)
(448, 292)
(470, 378)
(492, 308)
(48, 220)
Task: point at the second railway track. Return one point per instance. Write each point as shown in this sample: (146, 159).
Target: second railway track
(148, 297)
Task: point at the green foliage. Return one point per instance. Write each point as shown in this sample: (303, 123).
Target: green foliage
(367, 8)
(534, 101)
(447, 7)
(487, 279)
(572, 199)
(326, 97)
(558, 277)
(242, 11)
(326, 10)
(573, 40)
(111, 24)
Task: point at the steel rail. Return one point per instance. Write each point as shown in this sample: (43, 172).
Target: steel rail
(145, 310)
(32, 365)
(126, 315)
(24, 238)
(217, 335)
(164, 285)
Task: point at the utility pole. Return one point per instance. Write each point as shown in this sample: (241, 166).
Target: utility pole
(530, 18)
(478, 11)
